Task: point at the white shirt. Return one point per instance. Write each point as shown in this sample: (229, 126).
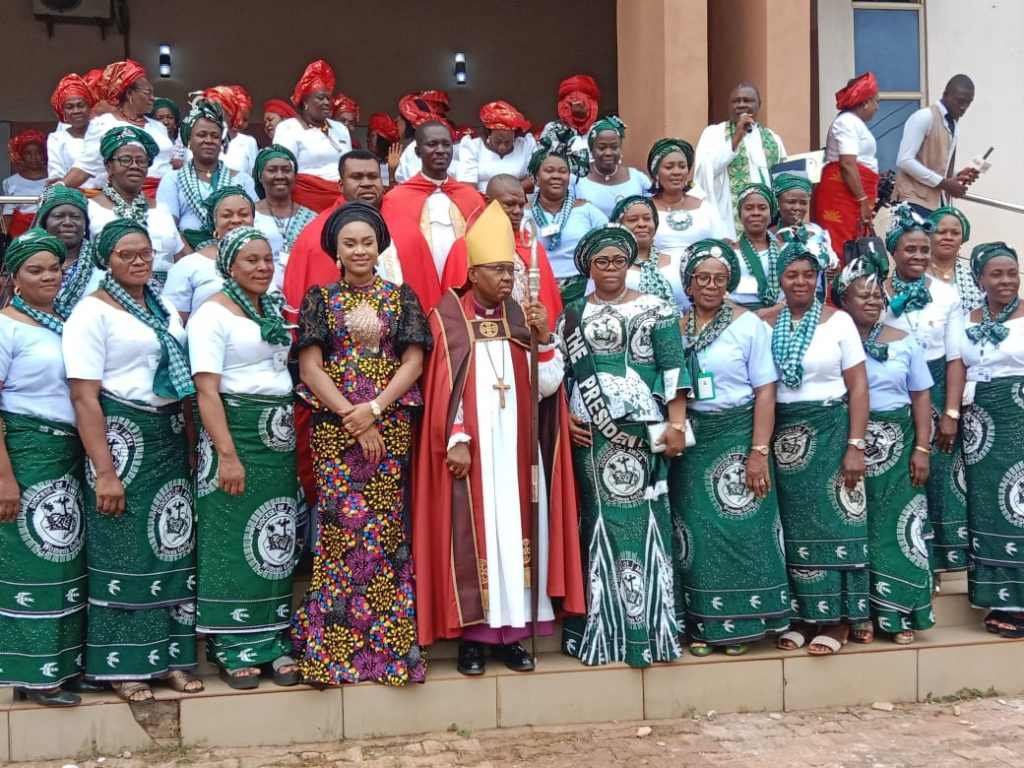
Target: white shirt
(605, 196)
(91, 161)
(241, 154)
(740, 360)
(679, 229)
(835, 347)
(221, 342)
(16, 184)
(711, 168)
(939, 326)
(316, 153)
(170, 193)
(915, 131)
(478, 164)
(32, 372)
(1001, 362)
(849, 135)
(163, 232)
(442, 229)
(191, 281)
(409, 164)
(62, 149)
(105, 344)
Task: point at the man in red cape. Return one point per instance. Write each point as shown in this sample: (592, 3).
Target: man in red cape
(431, 210)
(507, 190)
(473, 541)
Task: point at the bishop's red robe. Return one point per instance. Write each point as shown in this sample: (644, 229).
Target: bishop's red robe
(447, 514)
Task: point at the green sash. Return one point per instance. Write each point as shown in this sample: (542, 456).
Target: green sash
(898, 527)
(42, 593)
(144, 558)
(247, 543)
(730, 567)
(946, 488)
(825, 524)
(993, 432)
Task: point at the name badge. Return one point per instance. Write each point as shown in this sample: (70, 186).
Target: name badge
(705, 386)
(747, 284)
(979, 373)
(281, 360)
(549, 231)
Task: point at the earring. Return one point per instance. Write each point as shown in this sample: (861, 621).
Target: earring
(17, 291)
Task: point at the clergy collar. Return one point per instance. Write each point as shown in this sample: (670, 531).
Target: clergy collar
(491, 314)
(437, 183)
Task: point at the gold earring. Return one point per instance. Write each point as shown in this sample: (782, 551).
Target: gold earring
(17, 291)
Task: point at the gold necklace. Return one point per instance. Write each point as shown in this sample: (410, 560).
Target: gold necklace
(944, 276)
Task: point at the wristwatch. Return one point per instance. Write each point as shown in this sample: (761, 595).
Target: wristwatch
(762, 449)
(678, 426)
(375, 409)
(953, 413)
(858, 442)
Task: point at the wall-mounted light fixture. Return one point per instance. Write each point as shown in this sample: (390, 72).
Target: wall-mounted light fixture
(460, 69)
(165, 60)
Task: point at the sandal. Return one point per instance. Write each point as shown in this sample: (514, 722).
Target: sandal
(793, 640)
(285, 679)
(1012, 627)
(830, 644)
(905, 637)
(996, 621)
(863, 632)
(180, 680)
(133, 691)
(736, 650)
(238, 681)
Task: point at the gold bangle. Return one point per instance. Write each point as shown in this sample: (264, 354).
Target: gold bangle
(922, 449)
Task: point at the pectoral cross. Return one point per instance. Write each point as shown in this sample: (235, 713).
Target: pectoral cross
(501, 386)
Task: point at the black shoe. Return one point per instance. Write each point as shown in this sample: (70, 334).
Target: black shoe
(81, 685)
(54, 698)
(515, 657)
(471, 659)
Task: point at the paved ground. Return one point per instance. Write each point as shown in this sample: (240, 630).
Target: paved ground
(982, 733)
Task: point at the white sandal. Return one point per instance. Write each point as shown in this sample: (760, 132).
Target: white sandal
(796, 638)
(825, 641)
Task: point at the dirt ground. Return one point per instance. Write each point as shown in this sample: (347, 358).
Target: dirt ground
(977, 732)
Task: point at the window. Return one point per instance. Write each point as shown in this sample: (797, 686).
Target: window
(888, 39)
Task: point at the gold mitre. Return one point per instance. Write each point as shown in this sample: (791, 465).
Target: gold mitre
(490, 239)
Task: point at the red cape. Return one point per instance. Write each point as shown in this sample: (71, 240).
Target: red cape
(457, 267)
(402, 209)
(447, 514)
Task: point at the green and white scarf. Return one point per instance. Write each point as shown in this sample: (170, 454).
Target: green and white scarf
(192, 189)
(876, 351)
(543, 218)
(136, 209)
(789, 345)
(45, 319)
(993, 331)
(767, 285)
(172, 379)
(910, 295)
(74, 287)
(739, 168)
(697, 342)
(652, 282)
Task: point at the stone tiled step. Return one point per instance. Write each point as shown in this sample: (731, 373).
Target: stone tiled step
(561, 690)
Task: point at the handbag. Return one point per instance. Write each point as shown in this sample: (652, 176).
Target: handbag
(865, 245)
(656, 431)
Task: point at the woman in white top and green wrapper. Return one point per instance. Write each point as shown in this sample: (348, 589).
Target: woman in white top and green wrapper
(820, 425)
(128, 372)
(246, 483)
(993, 431)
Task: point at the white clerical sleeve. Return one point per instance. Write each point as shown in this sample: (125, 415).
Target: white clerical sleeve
(550, 371)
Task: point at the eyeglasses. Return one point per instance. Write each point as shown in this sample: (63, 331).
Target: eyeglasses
(704, 280)
(619, 262)
(499, 270)
(145, 255)
(127, 161)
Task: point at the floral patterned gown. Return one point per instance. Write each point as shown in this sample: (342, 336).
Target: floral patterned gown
(357, 622)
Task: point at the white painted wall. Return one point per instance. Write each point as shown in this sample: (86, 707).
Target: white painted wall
(835, 57)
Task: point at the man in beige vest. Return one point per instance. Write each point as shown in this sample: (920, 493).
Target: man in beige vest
(927, 155)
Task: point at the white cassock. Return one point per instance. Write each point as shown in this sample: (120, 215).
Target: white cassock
(711, 168)
(508, 602)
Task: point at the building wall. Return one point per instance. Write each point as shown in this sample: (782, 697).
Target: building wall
(954, 40)
(378, 52)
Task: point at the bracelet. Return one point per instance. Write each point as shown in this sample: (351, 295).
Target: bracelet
(923, 449)
(862, 199)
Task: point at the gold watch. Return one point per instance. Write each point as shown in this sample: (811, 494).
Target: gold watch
(762, 449)
(953, 413)
(678, 426)
(375, 409)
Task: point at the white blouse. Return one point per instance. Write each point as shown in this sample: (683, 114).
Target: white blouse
(163, 232)
(478, 164)
(985, 361)
(191, 281)
(241, 154)
(224, 343)
(317, 153)
(835, 347)
(171, 195)
(849, 135)
(16, 184)
(106, 344)
(62, 149)
(939, 326)
(740, 360)
(32, 372)
(677, 230)
(91, 161)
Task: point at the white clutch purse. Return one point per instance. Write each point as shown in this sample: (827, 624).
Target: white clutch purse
(656, 431)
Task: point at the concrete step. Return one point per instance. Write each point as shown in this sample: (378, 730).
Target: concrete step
(942, 662)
